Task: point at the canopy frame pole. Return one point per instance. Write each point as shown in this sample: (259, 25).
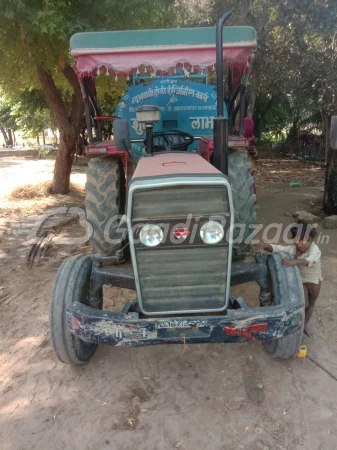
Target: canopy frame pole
(220, 122)
(87, 112)
(242, 109)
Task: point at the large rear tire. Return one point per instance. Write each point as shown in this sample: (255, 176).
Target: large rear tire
(105, 204)
(286, 285)
(241, 181)
(71, 285)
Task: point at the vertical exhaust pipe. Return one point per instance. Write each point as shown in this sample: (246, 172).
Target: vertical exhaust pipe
(220, 122)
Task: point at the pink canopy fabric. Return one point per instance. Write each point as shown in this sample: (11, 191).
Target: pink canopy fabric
(248, 127)
(160, 60)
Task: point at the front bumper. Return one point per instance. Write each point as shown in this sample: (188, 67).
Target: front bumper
(131, 330)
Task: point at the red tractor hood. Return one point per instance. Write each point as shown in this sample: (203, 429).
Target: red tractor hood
(173, 164)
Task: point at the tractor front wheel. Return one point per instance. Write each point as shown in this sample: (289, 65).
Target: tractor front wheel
(286, 285)
(71, 285)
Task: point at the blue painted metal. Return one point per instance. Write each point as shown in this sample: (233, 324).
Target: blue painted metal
(105, 40)
(136, 77)
(185, 105)
(130, 330)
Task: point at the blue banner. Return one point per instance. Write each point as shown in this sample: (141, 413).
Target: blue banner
(185, 105)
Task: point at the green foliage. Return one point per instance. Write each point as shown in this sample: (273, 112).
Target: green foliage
(46, 150)
(7, 120)
(109, 92)
(36, 33)
(272, 116)
(31, 113)
(296, 58)
(27, 112)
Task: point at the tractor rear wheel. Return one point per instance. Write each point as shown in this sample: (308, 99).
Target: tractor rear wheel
(241, 181)
(286, 284)
(105, 204)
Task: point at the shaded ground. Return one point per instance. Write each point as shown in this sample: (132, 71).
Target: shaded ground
(224, 397)
(274, 169)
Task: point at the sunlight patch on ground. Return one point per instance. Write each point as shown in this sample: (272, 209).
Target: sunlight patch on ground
(25, 187)
(41, 189)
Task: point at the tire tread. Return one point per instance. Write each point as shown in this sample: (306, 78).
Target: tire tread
(287, 285)
(241, 180)
(104, 181)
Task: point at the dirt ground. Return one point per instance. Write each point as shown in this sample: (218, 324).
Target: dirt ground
(221, 397)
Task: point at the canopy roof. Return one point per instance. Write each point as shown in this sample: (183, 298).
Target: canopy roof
(160, 52)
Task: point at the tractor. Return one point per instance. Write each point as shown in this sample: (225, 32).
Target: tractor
(171, 191)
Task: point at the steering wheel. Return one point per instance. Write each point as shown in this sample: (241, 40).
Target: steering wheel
(172, 141)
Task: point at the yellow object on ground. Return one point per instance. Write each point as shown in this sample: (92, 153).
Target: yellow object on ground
(302, 352)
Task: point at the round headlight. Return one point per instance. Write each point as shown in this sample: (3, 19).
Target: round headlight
(212, 232)
(151, 235)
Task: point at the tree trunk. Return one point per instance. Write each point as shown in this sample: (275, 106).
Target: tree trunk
(326, 135)
(4, 134)
(63, 163)
(43, 138)
(245, 9)
(252, 97)
(330, 192)
(292, 139)
(38, 139)
(67, 123)
(10, 137)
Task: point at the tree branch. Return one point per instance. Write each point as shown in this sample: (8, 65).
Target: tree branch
(54, 99)
(77, 106)
(71, 76)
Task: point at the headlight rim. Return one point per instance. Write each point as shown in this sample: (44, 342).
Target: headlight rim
(210, 223)
(142, 239)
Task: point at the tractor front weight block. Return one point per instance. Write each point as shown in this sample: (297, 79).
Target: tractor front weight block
(129, 328)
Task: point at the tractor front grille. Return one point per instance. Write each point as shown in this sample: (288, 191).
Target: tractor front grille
(182, 279)
(179, 202)
(185, 276)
